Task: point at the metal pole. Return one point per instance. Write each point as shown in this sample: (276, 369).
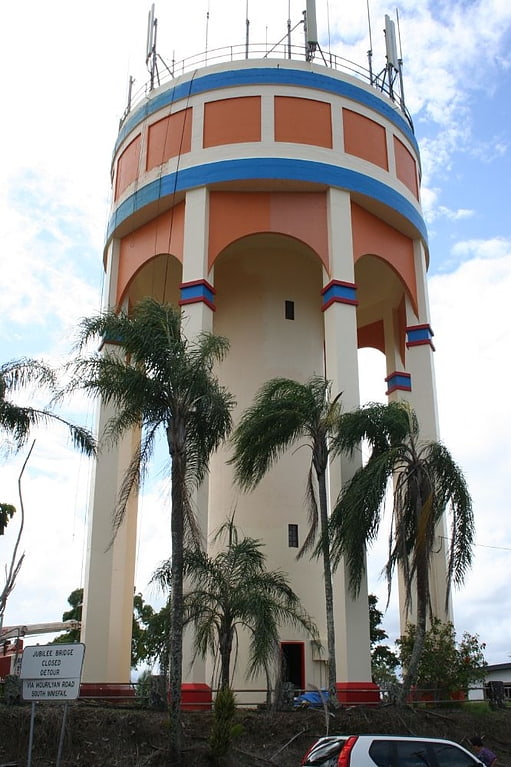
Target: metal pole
(247, 32)
(62, 733)
(31, 734)
(289, 29)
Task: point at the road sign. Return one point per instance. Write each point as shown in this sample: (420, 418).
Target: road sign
(52, 672)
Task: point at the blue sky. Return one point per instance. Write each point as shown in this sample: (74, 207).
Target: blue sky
(64, 88)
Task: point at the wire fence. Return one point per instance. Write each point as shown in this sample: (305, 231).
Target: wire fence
(152, 692)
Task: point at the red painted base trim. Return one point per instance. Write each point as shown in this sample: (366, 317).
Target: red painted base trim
(196, 697)
(358, 693)
(107, 691)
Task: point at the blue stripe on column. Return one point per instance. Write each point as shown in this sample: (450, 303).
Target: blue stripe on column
(397, 380)
(339, 292)
(419, 335)
(198, 291)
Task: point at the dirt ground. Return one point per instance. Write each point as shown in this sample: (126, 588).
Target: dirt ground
(98, 736)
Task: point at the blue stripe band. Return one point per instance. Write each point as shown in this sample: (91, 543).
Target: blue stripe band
(267, 168)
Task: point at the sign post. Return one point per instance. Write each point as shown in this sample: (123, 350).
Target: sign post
(51, 673)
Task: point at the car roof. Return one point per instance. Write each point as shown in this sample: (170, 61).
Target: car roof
(380, 735)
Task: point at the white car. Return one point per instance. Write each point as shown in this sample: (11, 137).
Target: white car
(387, 751)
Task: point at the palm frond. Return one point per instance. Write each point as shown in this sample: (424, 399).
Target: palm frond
(277, 418)
(312, 516)
(17, 374)
(355, 519)
(381, 425)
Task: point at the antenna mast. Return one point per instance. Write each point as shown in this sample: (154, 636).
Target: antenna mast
(247, 34)
(150, 56)
(370, 51)
(400, 62)
(311, 30)
(207, 31)
(289, 29)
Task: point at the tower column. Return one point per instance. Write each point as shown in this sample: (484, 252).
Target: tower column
(422, 397)
(107, 613)
(415, 383)
(341, 367)
(197, 301)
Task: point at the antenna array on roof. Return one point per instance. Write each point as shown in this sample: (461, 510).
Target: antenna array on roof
(384, 80)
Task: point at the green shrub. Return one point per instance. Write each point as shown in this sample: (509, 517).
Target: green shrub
(223, 729)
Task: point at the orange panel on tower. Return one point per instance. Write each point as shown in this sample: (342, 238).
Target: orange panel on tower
(406, 169)
(232, 121)
(303, 121)
(364, 138)
(169, 137)
(127, 166)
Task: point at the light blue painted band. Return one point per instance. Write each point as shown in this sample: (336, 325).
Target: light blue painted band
(267, 168)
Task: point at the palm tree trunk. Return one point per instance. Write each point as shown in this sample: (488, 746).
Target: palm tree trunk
(177, 453)
(422, 597)
(418, 644)
(329, 592)
(225, 649)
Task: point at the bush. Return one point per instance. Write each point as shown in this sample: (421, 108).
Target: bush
(446, 667)
(223, 729)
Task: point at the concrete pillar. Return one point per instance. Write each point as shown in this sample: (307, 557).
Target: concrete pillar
(341, 367)
(107, 613)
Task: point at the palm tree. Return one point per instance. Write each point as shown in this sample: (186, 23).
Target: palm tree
(160, 382)
(427, 482)
(284, 412)
(16, 421)
(231, 591)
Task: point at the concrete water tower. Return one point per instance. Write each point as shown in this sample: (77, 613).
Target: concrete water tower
(274, 196)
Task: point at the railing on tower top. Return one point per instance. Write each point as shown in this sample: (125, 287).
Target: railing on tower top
(163, 71)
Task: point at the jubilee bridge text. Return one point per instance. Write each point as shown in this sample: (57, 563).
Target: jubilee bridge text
(52, 660)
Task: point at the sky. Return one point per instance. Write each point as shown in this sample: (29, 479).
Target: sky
(64, 87)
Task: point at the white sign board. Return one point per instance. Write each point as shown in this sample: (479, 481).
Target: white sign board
(52, 672)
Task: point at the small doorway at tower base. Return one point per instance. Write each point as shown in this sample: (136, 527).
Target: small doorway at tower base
(293, 665)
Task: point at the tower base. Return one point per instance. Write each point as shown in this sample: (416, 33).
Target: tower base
(358, 693)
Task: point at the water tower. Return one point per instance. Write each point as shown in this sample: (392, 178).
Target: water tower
(272, 193)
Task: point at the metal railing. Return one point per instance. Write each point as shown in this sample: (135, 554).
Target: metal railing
(163, 72)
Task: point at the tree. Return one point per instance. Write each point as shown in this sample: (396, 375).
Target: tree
(446, 667)
(156, 639)
(7, 511)
(148, 631)
(383, 661)
(158, 380)
(75, 601)
(284, 412)
(16, 421)
(231, 591)
(427, 482)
